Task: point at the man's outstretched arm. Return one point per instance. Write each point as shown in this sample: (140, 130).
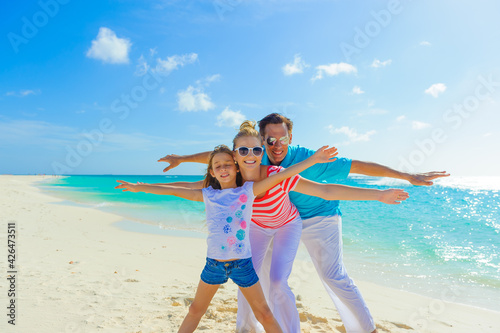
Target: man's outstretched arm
(378, 170)
(175, 160)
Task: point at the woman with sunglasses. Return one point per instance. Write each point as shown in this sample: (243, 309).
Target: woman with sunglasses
(275, 219)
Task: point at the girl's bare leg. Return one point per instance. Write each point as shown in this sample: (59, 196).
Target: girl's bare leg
(202, 299)
(255, 297)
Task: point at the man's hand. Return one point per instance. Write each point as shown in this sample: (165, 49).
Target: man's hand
(378, 170)
(425, 179)
(173, 159)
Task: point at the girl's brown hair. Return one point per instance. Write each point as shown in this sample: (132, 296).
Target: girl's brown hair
(211, 180)
(247, 128)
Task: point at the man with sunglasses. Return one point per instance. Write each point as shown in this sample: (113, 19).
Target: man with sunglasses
(321, 219)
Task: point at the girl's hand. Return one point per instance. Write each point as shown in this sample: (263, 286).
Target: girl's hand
(325, 155)
(393, 196)
(126, 186)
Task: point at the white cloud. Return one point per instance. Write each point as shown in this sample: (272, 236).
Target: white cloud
(296, 67)
(230, 118)
(418, 125)
(213, 78)
(194, 99)
(173, 62)
(485, 135)
(370, 112)
(22, 93)
(27, 92)
(165, 66)
(209, 79)
(333, 69)
(436, 89)
(351, 133)
(377, 63)
(425, 43)
(249, 105)
(357, 90)
(34, 132)
(400, 118)
(56, 138)
(142, 67)
(109, 48)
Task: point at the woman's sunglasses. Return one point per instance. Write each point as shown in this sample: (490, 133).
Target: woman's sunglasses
(256, 151)
(284, 140)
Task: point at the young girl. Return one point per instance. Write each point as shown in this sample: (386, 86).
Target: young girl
(229, 211)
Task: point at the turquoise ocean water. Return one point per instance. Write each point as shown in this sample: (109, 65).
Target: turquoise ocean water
(444, 242)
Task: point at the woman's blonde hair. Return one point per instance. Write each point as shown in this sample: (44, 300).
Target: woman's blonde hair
(211, 180)
(247, 128)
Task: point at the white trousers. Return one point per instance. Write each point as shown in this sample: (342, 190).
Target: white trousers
(273, 276)
(322, 236)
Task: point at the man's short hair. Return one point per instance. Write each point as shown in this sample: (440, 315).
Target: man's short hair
(274, 118)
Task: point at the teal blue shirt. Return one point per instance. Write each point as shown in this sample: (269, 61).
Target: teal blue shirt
(309, 206)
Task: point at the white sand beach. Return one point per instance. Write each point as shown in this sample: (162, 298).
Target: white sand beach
(79, 273)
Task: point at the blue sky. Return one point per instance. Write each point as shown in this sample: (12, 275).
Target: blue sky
(108, 87)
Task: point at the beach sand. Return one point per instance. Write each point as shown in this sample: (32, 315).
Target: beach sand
(79, 273)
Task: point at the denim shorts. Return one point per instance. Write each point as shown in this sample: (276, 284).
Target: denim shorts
(241, 271)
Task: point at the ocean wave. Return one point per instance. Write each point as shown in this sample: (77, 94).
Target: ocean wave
(103, 204)
(464, 183)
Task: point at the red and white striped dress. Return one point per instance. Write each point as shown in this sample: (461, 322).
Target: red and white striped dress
(275, 209)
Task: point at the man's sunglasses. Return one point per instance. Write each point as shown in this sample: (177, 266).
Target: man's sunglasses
(256, 151)
(284, 140)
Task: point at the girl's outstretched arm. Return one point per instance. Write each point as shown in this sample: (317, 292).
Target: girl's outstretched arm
(343, 192)
(186, 193)
(191, 185)
(322, 155)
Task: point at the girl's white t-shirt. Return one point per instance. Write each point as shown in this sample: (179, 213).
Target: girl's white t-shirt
(229, 213)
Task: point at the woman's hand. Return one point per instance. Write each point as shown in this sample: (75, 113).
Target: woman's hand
(325, 155)
(126, 186)
(393, 196)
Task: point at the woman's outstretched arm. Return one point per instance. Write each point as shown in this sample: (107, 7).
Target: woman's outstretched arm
(182, 192)
(322, 155)
(343, 192)
(191, 185)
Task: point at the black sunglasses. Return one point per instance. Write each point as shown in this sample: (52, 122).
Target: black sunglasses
(256, 151)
